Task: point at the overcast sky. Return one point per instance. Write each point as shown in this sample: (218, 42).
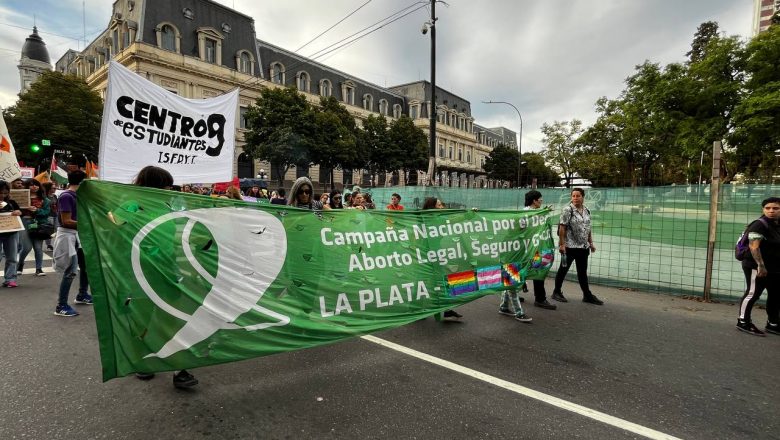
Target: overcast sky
(550, 58)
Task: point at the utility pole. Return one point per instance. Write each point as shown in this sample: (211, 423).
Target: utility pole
(432, 110)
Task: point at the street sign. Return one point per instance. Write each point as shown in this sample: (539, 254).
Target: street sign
(45, 142)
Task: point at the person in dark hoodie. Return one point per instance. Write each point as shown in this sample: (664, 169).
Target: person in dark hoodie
(301, 195)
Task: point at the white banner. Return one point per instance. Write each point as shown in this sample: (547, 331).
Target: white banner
(9, 167)
(144, 124)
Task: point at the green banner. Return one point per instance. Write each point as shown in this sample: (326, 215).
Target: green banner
(182, 280)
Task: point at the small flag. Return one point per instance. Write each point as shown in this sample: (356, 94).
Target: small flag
(43, 177)
(489, 277)
(92, 170)
(461, 282)
(57, 172)
(9, 166)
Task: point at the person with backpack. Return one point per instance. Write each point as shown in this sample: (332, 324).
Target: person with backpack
(761, 266)
(575, 243)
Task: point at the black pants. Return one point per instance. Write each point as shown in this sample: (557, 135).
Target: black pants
(540, 294)
(756, 286)
(580, 258)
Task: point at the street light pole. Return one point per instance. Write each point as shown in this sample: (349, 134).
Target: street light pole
(519, 141)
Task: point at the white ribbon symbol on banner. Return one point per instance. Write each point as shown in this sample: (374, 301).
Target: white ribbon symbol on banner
(252, 246)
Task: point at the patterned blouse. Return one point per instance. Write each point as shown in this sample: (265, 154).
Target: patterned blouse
(577, 226)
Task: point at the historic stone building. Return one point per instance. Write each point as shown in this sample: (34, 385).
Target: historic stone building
(200, 49)
(35, 60)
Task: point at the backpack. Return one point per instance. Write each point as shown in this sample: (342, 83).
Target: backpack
(742, 249)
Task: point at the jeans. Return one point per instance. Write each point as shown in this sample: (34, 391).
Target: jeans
(69, 275)
(29, 243)
(9, 243)
(580, 258)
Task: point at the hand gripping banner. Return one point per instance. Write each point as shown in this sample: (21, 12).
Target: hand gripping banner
(182, 280)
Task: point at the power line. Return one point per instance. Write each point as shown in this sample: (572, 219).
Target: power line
(337, 23)
(41, 32)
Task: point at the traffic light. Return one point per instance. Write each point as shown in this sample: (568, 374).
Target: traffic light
(35, 148)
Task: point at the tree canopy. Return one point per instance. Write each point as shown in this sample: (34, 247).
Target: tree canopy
(60, 108)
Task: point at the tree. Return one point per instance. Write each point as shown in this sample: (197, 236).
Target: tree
(411, 143)
(375, 147)
(560, 141)
(282, 129)
(535, 167)
(61, 108)
(704, 33)
(502, 163)
(336, 144)
(757, 117)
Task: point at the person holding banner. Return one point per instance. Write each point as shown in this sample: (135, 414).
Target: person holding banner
(533, 200)
(156, 177)
(9, 240)
(334, 200)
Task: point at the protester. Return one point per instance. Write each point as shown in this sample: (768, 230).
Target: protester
(434, 203)
(301, 195)
(368, 202)
(762, 269)
(347, 199)
(17, 184)
(324, 198)
(37, 213)
(334, 200)
(533, 200)
(255, 192)
(156, 177)
(68, 255)
(186, 188)
(395, 203)
(9, 240)
(575, 243)
(279, 198)
(358, 202)
(233, 192)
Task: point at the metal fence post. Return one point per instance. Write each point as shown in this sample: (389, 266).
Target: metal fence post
(713, 227)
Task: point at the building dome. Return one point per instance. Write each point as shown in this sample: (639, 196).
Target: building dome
(35, 49)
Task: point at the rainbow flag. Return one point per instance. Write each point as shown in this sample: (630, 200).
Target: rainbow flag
(489, 277)
(461, 282)
(511, 274)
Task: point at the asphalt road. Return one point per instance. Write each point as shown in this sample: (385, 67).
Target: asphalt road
(675, 366)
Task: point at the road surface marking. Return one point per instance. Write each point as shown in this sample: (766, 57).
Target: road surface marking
(519, 389)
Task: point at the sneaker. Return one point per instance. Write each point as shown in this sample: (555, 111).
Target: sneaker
(772, 328)
(505, 311)
(144, 376)
(545, 305)
(559, 297)
(522, 317)
(749, 327)
(452, 314)
(591, 299)
(525, 288)
(520, 298)
(39, 273)
(65, 310)
(10, 284)
(84, 299)
(183, 379)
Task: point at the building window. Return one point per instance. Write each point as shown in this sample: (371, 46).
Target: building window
(326, 89)
(451, 152)
(168, 38)
(125, 38)
(383, 107)
(441, 149)
(396, 111)
(210, 45)
(460, 154)
(414, 111)
(277, 73)
(325, 174)
(302, 82)
(368, 102)
(348, 92)
(468, 156)
(346, 178)
(210, 54)
(242, 122)
(245, 63)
